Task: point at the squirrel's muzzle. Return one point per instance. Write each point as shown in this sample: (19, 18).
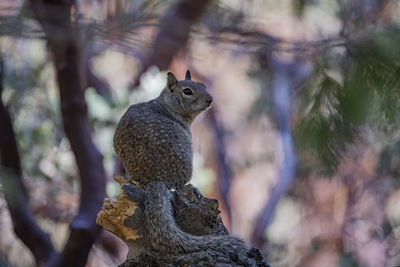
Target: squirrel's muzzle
(209, 100)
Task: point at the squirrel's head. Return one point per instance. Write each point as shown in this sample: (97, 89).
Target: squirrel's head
(186, 97)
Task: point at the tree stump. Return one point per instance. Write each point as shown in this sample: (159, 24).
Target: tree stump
(193, 213)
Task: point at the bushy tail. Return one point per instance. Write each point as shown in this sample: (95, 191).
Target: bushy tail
(165, 235)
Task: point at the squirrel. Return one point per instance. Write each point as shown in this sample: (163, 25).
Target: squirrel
(154, 141)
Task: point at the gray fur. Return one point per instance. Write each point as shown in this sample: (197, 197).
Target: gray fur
(166, 237)
(153, 139)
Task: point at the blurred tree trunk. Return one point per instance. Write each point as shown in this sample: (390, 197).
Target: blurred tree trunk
(287, 75)
(55, 18)
(15, 192)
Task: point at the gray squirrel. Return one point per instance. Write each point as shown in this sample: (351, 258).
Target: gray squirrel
(154, 141)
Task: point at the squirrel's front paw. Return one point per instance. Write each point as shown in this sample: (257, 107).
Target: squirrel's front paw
(136, 220)
(134, 193)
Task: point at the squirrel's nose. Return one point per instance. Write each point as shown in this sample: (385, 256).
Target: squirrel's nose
(209, 100)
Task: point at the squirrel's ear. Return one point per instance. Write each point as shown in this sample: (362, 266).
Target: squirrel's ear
(171, 80)
(188, 76)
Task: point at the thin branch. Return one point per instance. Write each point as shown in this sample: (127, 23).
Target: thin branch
(71, 80)
(101, 86)
(287, 76)
(224, 169)
(91, 171)
(253, 41)
(174, 32)
(15, 192)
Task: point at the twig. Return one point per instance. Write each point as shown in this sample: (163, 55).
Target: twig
(15, 192)
(174, 33)
(224, 169)
(254, 40)
(101, 86)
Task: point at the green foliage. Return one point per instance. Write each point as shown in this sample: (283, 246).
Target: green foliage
(375, 79)
(325, 129)
(368, 96)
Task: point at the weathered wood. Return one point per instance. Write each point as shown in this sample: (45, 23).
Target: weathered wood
(193, 213)
(113, 214)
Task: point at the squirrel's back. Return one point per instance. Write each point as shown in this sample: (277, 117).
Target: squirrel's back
(153, 145)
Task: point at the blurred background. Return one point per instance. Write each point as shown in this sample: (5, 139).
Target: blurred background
(301, 146)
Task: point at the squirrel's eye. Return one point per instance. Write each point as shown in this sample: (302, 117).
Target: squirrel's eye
(187, 91)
